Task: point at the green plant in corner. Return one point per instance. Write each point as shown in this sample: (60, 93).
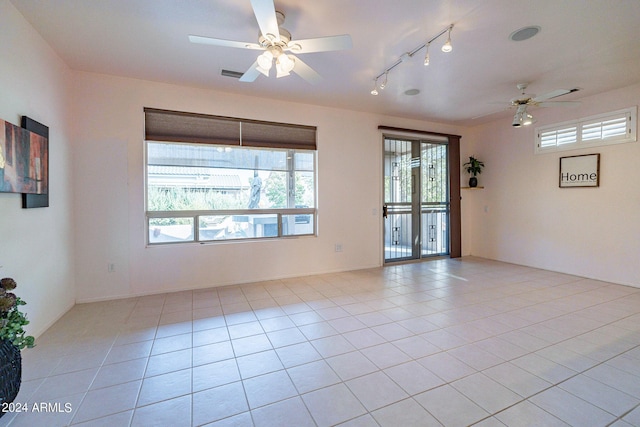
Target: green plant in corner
(12, 320)
(474, 166)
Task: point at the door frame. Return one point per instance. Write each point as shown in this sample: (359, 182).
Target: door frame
(455, 212)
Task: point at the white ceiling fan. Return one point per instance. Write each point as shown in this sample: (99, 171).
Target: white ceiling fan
(522, 102)
(525, 100)
(278, 46)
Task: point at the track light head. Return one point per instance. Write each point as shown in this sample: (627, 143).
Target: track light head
(384, 83)
(375, 87)
(447, 47)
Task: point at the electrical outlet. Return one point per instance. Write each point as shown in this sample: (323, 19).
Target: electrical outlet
(338, 247)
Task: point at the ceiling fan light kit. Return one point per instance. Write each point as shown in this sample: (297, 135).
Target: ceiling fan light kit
(265, 61)
(522, 116)
(276, 41)
(446, 47)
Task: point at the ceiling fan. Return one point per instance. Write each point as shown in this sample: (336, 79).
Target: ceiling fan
(278, 46)
(525, 100)
(522, 116)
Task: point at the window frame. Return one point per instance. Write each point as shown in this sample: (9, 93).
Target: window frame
(578, 126)
(280, 213)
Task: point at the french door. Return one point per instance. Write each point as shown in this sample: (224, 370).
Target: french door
(416, 199)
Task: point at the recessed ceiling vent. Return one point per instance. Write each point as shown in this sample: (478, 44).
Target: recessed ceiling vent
(524, 33)
(229, 73)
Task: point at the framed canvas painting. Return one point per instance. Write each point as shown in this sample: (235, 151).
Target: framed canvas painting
(24, 160)
(37, 200)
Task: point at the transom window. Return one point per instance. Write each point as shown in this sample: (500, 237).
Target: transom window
(611, 128)
(207, 192)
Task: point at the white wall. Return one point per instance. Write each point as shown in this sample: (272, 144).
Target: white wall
(591, 232)
(36, 245)
(108, 157)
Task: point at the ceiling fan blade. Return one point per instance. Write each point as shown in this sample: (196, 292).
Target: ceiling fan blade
(251, 74)
(265, 12)
(558, 104)
(553, 94)
(321, 44)
(306, 72)
(225, 43)
(491, 113)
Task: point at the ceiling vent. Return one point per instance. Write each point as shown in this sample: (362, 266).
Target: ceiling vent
(229, 73)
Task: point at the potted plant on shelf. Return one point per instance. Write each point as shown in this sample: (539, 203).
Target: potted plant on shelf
(473, 167)
(13, 338)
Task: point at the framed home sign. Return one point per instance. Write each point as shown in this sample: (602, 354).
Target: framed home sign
(580, 171)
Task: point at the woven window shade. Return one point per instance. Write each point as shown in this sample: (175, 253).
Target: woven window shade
(176, 126)
(278, 135)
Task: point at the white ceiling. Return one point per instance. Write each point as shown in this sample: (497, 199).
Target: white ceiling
(593, 45)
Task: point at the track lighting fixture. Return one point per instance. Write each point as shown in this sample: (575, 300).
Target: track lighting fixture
(426, 56)
(384, 83)
(446, 47)
(375, 87)
(408, 55)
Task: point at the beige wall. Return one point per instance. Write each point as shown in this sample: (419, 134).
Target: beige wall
(60, 254)
(110, 228)
(36, 245)
(522, 216)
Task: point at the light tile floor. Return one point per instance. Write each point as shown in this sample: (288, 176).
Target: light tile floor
(445, 342)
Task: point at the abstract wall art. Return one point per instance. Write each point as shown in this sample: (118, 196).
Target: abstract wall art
(24, 160)
(39, 200)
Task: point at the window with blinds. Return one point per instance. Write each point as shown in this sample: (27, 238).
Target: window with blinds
(611, 128)
(608, 129)
(559, 137)
(212, 178)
